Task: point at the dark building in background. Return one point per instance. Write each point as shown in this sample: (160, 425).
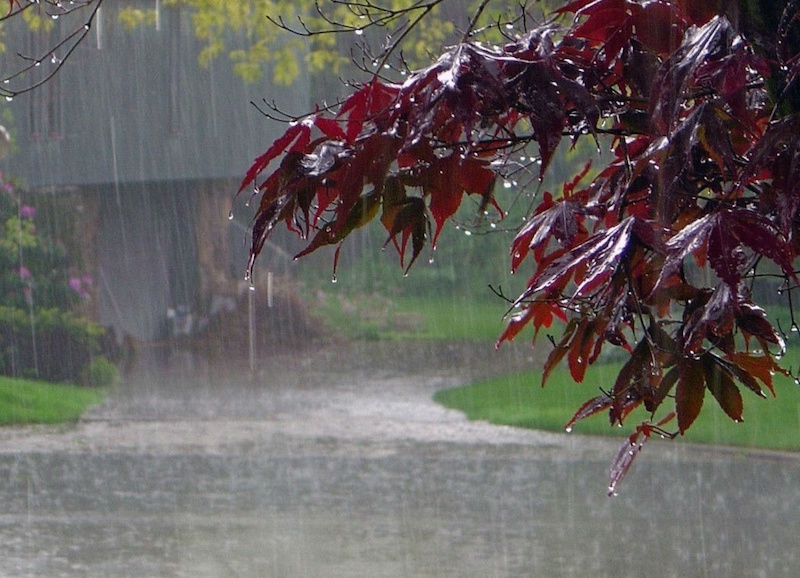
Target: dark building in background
(150, 147)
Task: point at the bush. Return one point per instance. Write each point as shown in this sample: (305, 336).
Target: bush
(52, 344)
(100, 372)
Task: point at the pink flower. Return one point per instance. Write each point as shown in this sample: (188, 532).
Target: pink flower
(25, 273)
(27, 212)
(75, 285)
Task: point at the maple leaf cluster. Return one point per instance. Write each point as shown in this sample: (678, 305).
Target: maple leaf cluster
(654, 253)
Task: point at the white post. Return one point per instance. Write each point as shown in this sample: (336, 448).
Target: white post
(251, 318)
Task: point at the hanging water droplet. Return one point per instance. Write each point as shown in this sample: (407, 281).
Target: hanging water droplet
(506, 184)
(509, 26)
(9, 98)
(430, 260)
(334, 279)
(568, 429)
(252, 286)
(359, 31)
(468, 233)
(230, 216)
(54, 16)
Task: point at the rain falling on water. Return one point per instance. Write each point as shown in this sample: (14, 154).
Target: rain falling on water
(283, 425)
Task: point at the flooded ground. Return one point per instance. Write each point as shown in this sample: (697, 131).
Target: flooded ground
(338, 464)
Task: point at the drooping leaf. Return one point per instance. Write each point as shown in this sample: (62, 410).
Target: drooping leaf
(299, 134)
(624, 459)
(590, 408)
(689, 393)
(720, 383)
(602, 255)
(632, 447)
(674, 79)
(540, 313)
(761, 367)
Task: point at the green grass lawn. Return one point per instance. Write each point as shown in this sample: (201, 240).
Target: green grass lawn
(519, 400)
(374, 317)
(25, 401)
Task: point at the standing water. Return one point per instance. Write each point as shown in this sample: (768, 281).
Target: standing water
(353, 471)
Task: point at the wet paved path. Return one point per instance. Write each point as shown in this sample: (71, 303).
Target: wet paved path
(326, 467)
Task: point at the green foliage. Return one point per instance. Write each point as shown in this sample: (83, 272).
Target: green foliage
(50, 344)
(132, 17)
(34, 267)
(40, 287)
(25, 401)
(373, 316)
(100, 372)
(270, 48)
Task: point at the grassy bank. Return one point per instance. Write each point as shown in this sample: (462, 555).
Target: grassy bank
(519, 400)
(25, 401)
(374, 317)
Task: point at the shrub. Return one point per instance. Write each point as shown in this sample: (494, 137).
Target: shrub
(51, 344)
(99, 372)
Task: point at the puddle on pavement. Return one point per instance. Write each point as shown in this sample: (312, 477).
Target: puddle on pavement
(427, 510)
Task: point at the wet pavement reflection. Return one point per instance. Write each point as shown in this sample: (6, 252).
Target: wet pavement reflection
(345, 472)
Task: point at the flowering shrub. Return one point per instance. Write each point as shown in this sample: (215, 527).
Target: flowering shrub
(40, 335)
(34, 270)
